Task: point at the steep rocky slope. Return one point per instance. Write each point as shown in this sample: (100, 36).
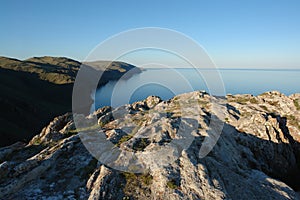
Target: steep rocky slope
(36, 90)
(257, 155)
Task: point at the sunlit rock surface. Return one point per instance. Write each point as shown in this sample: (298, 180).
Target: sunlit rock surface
(171, 144)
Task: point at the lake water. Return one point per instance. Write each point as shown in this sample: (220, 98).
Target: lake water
(168, 82)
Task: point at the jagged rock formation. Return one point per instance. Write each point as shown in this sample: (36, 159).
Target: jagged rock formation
(35, 90)
(256, 157)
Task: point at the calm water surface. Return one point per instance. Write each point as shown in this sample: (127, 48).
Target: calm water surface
(167, 83)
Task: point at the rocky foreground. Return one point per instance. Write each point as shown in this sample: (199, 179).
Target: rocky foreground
(256, 156)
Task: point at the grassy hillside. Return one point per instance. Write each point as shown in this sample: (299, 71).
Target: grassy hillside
(55, 70)
(36, 90)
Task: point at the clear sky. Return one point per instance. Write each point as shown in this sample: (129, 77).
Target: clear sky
(239, 33)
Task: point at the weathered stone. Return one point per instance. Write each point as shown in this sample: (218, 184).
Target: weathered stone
(256, 157)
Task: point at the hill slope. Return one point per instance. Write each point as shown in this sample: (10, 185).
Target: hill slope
(256, 157)
(35, 90)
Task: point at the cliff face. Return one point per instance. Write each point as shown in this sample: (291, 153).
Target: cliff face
(257, 155)
(35, 90)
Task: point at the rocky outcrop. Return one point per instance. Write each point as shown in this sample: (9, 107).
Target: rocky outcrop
(193, 146)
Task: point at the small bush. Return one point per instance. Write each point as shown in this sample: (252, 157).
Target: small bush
(242, 100)
(123, 139)
(274, 103)
(133, 178)
(70, 133)
(140, 144)
(296, 103)
(264, 107)
(136, 184)
(37, 141)
(293, 121)
(246, 114)
(146, 179)
(172, 184)
(254, 101)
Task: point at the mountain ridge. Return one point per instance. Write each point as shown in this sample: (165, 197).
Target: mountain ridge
(36, 90)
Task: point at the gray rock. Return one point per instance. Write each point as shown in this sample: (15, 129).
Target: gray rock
(254, 140)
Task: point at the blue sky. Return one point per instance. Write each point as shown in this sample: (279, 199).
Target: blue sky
(247, 34)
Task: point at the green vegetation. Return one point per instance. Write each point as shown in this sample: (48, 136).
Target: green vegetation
(241, 100)
(146, 179)
(291, 117)
(172, 184)
(56, 78)
(38, 89)
(265, 94)
(253, 100)
(292, 120)
(138, 121)
(141, 144)
(274, 103)
(136, 183)
(296, 103)
(56, 70)
(264, 107)
(37, 141)
(70, 133)
(102, 124)
(125, 138)
(135, 178)
(30, 102)
(246, 114)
